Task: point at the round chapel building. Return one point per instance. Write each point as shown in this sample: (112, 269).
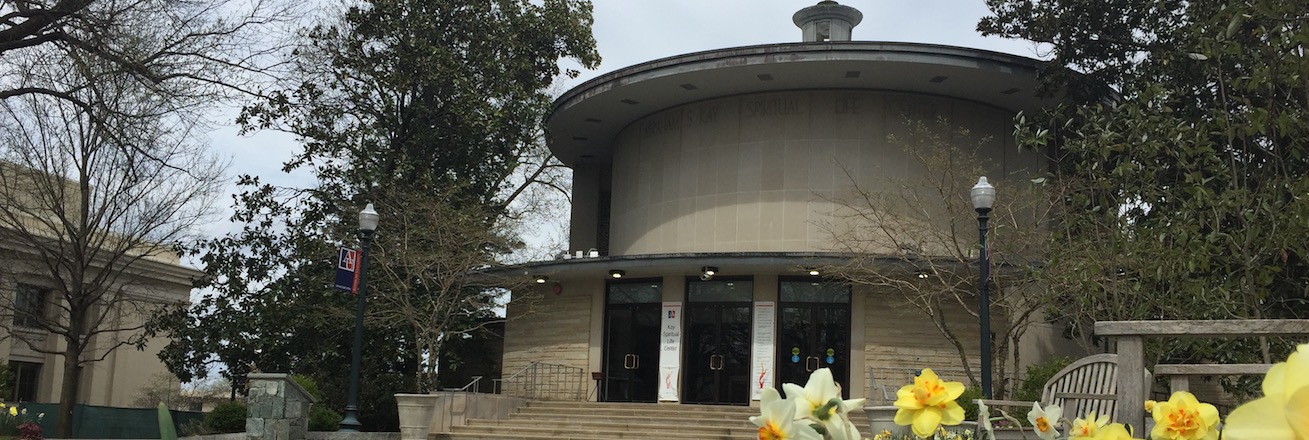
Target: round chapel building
(700, 182)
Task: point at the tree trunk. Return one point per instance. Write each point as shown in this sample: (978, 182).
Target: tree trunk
(72, 384)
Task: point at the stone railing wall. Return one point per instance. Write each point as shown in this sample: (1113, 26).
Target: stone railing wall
(278, 408)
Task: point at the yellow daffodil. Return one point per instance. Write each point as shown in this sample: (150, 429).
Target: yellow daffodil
(13, 411)
(1283, 412)
(1114, 431)
(1183, 417)
(1087, 428)
(1149, 406)
(776, 420)
(928, 403)
(1045, 421)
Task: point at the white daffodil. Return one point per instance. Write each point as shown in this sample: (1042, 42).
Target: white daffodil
(776, 420)
(814, 399)
(1087, 428)
(838, 426)
(1045, 421)
(984, 420)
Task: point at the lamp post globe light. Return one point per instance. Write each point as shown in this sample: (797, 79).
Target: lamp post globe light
(983, 195)
(367, 224)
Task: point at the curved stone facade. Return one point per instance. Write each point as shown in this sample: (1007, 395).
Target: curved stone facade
(760, 172)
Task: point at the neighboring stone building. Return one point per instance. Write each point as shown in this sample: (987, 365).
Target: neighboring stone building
(119, 378)
(698, 184)
(119, 375)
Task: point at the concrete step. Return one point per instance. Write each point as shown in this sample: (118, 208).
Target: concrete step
(653, 423)
(558, 420)
(615, 428)
(643, 406)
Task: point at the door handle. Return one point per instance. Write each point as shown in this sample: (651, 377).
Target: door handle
(629, 361)
(814, 360)
(636, 361)
(716, 366)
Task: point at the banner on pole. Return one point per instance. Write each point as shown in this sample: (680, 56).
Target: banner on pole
(347, 265)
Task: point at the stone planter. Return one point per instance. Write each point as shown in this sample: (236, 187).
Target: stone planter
(415, 415)
(882, 418)
(1014, 434)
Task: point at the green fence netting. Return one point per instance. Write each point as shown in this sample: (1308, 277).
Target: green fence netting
(102, 422)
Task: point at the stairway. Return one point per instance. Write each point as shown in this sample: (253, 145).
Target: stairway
(557, 420)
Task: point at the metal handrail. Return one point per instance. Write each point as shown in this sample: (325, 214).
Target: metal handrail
(542, 381)
(476, 384)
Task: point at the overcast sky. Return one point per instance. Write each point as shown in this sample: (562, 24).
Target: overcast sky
(630, 32)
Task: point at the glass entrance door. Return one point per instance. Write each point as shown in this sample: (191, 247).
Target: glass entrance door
(631, 368)
(813, 331)
(717, 345)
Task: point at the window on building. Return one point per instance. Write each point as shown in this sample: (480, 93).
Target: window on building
(26, 377)
(29, 305)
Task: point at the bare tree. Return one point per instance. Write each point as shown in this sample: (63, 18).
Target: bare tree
(917, 237)
(95, 198)
(433, 259)
(185, 51)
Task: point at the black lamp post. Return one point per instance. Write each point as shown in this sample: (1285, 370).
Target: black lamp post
(367, 224)
(983, 195)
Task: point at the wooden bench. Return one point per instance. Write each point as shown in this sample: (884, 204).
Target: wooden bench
(1130, 337)
(1087, 385)
(1179, 374)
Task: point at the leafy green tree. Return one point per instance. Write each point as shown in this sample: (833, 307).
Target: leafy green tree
(432, 111)
(1183, 145)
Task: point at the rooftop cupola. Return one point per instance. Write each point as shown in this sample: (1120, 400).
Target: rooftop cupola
(827, 21)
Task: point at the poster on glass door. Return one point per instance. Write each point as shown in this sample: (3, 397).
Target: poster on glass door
(761, 353)
(670, 351)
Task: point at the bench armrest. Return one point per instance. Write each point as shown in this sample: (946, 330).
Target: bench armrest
(1008, 403)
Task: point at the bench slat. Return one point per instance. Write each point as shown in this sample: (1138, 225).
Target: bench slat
(1210, 369)
(1244, 327)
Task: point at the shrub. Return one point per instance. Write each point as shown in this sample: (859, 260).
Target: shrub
(966, 400)
(308, 384)
(13, 417)
(1036, 376)
(323, 419)
(30, 431)
(227, 417)
(320, 418)
(192, 428)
